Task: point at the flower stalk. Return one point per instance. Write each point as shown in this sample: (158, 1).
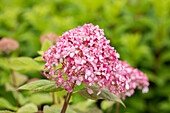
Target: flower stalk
(117, 108)
(53, 96)
(67, 99)
(14, 82)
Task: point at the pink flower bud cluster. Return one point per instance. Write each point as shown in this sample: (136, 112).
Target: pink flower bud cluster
(52, 37)
(86, 57)
(8, 44)
(137, 80)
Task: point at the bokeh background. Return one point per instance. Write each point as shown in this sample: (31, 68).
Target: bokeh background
(138, 29)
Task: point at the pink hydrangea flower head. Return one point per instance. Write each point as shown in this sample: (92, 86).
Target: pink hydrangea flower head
(52, 37)
(86, 57)
(8, 44)
(137, 79)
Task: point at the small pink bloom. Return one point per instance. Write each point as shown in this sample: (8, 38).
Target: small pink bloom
(52, 37)
(145, 90)
(99, 93)
(78, 83)
(8, 44)
(90, 91)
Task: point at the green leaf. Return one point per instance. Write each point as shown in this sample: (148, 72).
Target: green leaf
(6, 111)
(48, 109)
(4, 62)
(61, 93)
(105, 94)
(46, 45)
(165, 56)
(5, 104)
(164, 106)
(56, 109)
(28, 108)
(4, 77)
(40, 52)
(94, 110)
(84, 105)
(38, 58)
(59, 66)
(41, 85)
(106, 104)
(41, 98)
(20, 78)
(24, 63)
(9, 87)
(21, 98)
(77, 98)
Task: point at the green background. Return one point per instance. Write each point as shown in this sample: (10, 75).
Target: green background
(138, 29)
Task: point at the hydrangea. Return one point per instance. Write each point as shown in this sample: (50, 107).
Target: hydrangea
(8, 44)
(137, 80)
(52, 37)
(86, 57)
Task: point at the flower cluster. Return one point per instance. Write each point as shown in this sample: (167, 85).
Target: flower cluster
(86, 57)
(53, 38)
(8, 44)
(137, 79)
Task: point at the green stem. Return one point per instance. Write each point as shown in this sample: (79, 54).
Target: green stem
(62, 111)
(59, 100)
(67, 102)
(67, 99)
(53, 95)
(117, 108)
(14, 82)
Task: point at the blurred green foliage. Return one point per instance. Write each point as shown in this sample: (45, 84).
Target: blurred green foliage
(138, 29)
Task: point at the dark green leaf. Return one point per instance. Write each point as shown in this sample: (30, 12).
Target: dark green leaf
(105, 94)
